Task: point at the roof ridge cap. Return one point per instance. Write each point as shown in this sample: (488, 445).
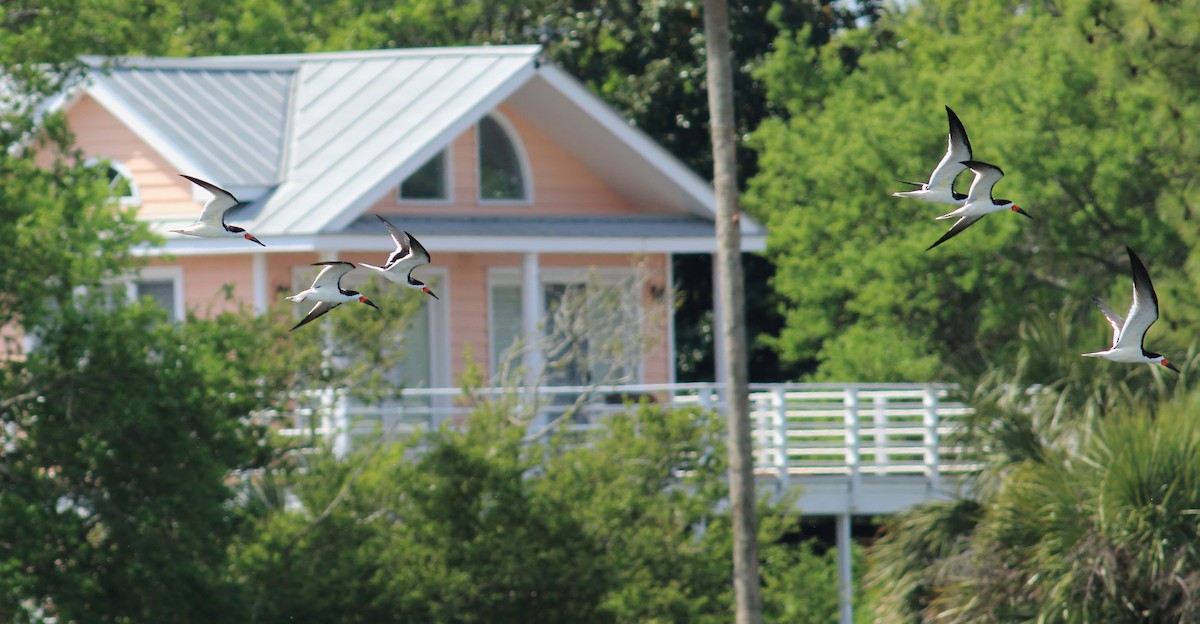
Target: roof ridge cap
(293, 60)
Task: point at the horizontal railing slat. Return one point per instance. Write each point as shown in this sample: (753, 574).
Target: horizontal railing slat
(798, 429)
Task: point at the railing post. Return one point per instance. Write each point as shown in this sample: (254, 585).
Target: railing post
(933, 470)
(341, 426)
(704, 395)
(779, 402)
(853, 442)
(881, 434)
(321, 418)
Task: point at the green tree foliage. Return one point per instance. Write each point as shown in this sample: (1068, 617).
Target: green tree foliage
(56, 228)
(1088, 109)
(121, 431)
(800, 583)
(1104, 532)
(59, 230)
(475, 524)
(125, 435)
(1047, 536)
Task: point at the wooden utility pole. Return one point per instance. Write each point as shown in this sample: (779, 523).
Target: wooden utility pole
(731, 298)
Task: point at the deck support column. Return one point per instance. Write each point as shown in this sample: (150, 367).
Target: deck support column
(531, 312)
(933, 469)
(334, 406)
(259, 281)
(845, 572)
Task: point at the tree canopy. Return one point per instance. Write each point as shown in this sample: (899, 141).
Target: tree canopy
(1086, 107)
(476, 525)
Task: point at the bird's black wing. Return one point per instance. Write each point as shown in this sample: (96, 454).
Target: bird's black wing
(960, 225)
(317, 312)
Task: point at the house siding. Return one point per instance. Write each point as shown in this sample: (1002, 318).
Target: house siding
(98, 133)
(469, 315)
(467, 299)
(216, 284)
(279, 273)
(561, 184)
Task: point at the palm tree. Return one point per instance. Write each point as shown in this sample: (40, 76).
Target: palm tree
(1085, 510)
(1104, 533)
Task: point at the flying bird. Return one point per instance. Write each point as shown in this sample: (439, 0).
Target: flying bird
(409, 254)
(979, 200)
(1129, 334)
(327, 291)
(211, 223)
(940, 187)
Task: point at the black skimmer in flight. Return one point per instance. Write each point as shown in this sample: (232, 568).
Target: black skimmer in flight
(327, 291)
(211, 223)
(1129, 334)
(409, 255)
(979, 201)
(940, 187)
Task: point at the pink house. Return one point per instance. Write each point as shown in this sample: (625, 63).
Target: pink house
(517, 179)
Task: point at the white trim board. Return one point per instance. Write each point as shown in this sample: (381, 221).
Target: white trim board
(190, 246)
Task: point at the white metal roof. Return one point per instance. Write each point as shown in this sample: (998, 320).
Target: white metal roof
(313, 140)
(226, 124)
(360, 126)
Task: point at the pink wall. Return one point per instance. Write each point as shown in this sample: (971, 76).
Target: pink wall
(279, 273)
(561, 184)
(205, 280)
(98, 133)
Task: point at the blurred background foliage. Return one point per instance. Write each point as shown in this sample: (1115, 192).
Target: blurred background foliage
(1086, 106)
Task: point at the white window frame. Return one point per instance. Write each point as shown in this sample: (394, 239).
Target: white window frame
(439, 320)
(447, 181)
(511, 276)
(522, 158)
(135, 193)
(439, 326)
(173, 274)
(496, 277)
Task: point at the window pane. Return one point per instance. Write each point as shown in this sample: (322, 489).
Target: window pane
(566, 343)
(428, 182)
(413, 371)
(121, 186)
(506, 322)
(499, 168)
(162, 292)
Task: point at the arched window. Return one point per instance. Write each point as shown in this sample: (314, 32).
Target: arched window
(502, 174)
(120, 182)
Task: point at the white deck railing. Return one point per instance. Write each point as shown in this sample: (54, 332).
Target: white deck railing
(800, 430)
